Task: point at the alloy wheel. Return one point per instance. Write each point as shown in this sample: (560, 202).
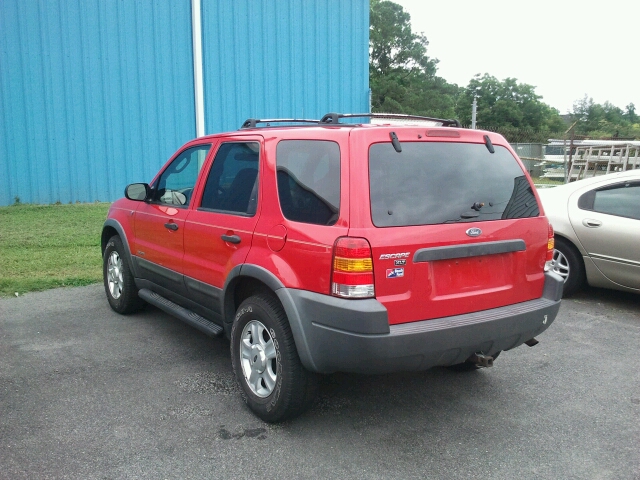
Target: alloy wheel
(258, 359)
(115, 280)
(560, 264)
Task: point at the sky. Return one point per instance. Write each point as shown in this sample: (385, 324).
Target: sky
(566, 49)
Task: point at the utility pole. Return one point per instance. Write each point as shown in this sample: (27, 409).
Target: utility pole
(474, 107)
(568, 165)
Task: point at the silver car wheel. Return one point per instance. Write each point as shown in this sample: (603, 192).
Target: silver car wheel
(560, 264)
(258, 359)
(115, 280)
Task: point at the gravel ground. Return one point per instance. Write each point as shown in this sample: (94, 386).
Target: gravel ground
(86, 393)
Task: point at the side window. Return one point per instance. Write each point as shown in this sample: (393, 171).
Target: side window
(232, 185)
(309, 180)
(176, 183)
(622, 200)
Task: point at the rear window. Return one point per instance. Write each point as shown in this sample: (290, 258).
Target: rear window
(435, 182)
(621, 199)
(309, 180)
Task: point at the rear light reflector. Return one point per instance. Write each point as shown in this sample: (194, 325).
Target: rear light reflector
(550, 246)
(342, 264)
(352, 275)
(353, 291)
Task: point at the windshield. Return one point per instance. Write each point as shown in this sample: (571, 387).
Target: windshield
(437, 182)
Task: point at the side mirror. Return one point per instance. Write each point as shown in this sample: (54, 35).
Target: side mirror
(138, 191)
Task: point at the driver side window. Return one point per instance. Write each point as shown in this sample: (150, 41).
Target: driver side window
(176, 183)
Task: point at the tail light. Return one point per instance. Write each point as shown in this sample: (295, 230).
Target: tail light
(550, 245)
(352, 275)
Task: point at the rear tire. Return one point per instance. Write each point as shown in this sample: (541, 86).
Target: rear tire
(568, 263)
(274, 383)
(119, 283)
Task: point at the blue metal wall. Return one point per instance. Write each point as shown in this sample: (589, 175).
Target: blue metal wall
(95, 94)
(285, 58)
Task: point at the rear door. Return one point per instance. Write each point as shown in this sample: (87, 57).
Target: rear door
(607, 223)
(455, 228)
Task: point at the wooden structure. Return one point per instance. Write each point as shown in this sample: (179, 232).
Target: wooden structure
(592, 160)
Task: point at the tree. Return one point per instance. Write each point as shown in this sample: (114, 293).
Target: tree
(604, 121)
(631, 113)
(403, 79)
(393, 47)
(402, 76)
(507, 103)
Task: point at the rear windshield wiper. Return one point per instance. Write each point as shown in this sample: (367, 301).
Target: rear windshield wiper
(395, 142)
(488, 144)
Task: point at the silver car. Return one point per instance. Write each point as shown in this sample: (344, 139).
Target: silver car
(597, 231)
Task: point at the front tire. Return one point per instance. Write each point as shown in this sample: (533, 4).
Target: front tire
(568, 263)
(274, 383)
(119, 284)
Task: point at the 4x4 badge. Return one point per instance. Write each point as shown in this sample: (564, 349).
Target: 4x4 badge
(474, 232)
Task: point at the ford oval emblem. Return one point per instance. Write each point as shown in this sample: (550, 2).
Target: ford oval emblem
(474, 232)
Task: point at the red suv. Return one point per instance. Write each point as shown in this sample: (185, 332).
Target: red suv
(318, 246)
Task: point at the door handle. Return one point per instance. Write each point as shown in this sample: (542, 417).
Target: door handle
(171, 226)
(231, 238)
(591, 223)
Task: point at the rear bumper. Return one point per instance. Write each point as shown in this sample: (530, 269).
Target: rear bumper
(334, 334)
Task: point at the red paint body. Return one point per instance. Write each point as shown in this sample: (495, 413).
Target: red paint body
(300, 254)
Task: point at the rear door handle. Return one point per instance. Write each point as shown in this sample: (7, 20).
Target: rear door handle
(171, 226)
(591, 223)
(231, 238)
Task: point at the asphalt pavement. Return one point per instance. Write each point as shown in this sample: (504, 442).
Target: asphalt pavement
(87, 393)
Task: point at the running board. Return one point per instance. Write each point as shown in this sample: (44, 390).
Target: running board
(187, 316)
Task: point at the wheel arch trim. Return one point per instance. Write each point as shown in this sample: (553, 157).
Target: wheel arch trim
(112, 223)
(572, 243)
(277, 287)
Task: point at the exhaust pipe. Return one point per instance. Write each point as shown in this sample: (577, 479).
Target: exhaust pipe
(481, 360)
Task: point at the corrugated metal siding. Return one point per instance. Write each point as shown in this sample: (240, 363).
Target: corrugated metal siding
(94, 95)
(286, 58)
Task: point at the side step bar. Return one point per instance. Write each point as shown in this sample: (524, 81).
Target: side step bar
(187, 316)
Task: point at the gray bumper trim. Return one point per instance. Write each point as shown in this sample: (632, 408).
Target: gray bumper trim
(325, 348)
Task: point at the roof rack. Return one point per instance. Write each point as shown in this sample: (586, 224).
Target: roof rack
(253, 122)
(333, 118)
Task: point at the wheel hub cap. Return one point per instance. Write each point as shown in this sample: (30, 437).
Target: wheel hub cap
(560, 265)
(258, 358)
(115, 281)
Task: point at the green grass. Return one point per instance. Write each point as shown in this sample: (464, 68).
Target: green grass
(48, 246)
